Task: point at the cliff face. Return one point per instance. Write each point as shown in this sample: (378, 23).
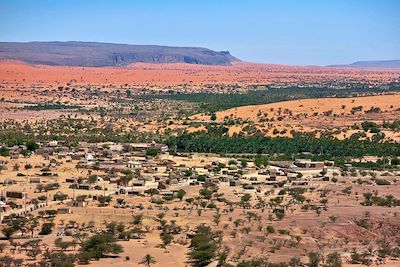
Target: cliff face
(105, 54)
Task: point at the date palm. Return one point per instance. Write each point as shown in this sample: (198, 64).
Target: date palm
(148, 260)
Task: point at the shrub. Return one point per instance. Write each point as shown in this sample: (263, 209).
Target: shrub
(151, 152)
(270, 229)
(47, 228)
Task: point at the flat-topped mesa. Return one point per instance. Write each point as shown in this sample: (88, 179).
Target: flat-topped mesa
(385, 64)
(93, 54)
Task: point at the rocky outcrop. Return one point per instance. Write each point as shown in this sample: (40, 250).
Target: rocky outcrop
(91, 54)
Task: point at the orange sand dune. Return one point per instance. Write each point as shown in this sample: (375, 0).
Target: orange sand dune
(12, 72)
(308, 115)
(387, 103)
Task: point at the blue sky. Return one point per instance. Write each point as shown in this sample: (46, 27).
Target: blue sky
(308, 32)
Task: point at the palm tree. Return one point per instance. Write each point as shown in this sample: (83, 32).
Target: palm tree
(148, 260)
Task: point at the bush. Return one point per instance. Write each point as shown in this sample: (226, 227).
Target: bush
(60, 259)
(334, 260)
(5, 152)
(47, 228)
(382, 182)
(180, 194)
(270, 229)
(151, 152)
(31, 145)
(201, 178)
(232, 162)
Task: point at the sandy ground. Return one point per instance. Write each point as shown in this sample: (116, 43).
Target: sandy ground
(172, 74)
(310, 115)
(295, 115)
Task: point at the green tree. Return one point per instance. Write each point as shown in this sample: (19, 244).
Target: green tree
(5, 152)
(32, 223)
(213, 117)
(25, 152)
(31, 145)
(203, 246)
(243, 163)
(60, 259)
(180, 194)
(99, 245)
(245, 198)
(166, 238)
(47, 228)
(395, 161)
(151, 152)
(148, 260)
(8, 232)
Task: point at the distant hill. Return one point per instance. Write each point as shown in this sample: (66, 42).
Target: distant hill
(388, 64)
(92, 54)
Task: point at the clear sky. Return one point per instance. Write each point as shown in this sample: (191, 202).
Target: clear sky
(299, 32)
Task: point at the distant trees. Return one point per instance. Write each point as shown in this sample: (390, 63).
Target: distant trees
(50, 107)
(218, 142)
(212, 102)
(386, 201)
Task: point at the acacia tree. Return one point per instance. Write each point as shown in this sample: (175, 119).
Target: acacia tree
(98, 245)
(34, 249)
(203, 246)
(8, 232)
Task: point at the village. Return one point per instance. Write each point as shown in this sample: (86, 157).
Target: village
(134, 170)
(85, 187)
